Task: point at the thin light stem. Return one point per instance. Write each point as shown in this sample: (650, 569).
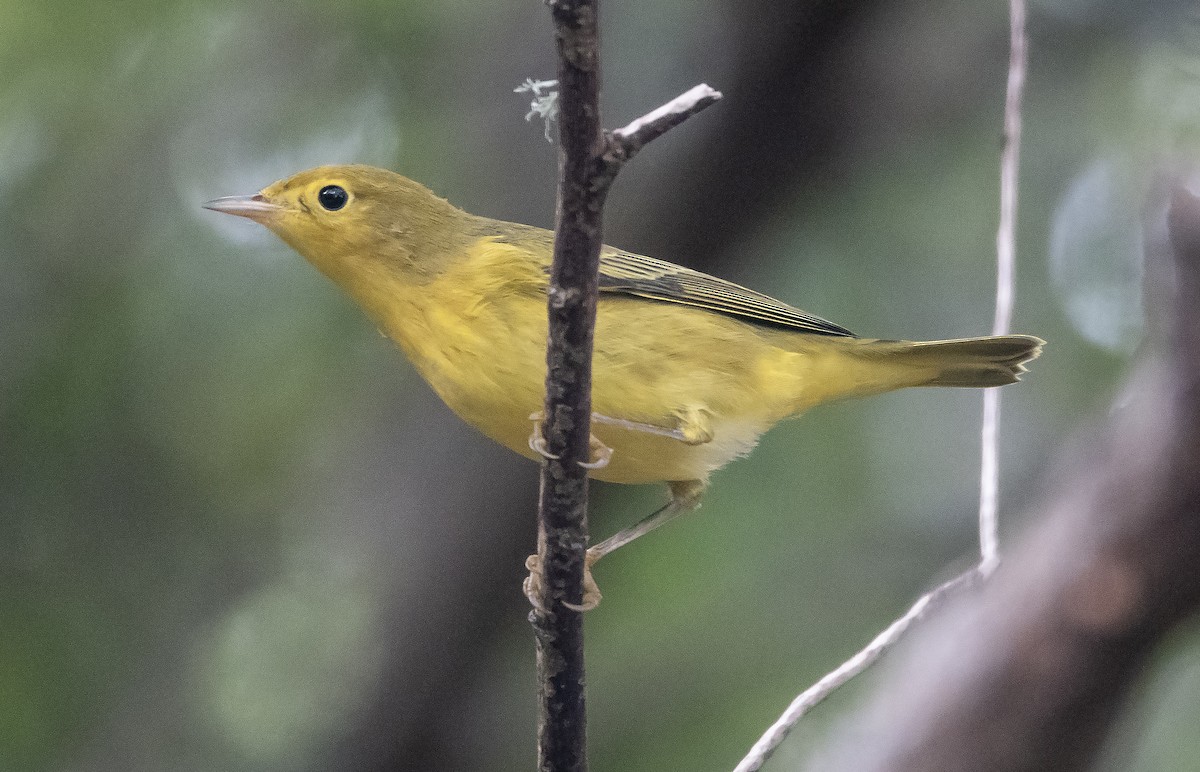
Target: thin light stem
(1006, 238)
(659, 121)
(1037, 672)
(989, 483)
(832, 681)
(989, 551)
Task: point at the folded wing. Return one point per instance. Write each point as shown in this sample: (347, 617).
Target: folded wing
(646, 277)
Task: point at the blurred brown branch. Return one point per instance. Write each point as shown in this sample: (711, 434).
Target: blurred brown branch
(792, 91)
(1030, 674)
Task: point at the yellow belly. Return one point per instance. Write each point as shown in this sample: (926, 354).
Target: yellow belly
(486, 360)
(493, 377)
(638, 457)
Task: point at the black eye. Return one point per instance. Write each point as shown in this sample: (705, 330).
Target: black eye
(333, 197)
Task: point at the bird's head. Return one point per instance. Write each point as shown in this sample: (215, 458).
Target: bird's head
(353, 218)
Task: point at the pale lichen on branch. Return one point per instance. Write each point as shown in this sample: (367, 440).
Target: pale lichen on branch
(544, 106)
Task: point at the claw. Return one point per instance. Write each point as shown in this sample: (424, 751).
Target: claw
(532, 585)
(591, 591)
(587, 605)
(601, 455)
(537, 442)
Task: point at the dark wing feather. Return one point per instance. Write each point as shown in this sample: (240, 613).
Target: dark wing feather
(646, 277)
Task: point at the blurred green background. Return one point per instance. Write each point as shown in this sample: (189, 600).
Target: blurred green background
(237, 532)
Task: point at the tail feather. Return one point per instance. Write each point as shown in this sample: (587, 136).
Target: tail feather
(829, 368)
(970, 362)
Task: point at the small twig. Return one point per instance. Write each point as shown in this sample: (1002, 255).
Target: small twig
(832, 681)
(1010, 160)
(631, 138)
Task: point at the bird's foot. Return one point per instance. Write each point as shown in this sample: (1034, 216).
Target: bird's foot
(532, 586)
(601, 454)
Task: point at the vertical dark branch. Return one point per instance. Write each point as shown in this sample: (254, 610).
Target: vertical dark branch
(588, 162)
(562, 532)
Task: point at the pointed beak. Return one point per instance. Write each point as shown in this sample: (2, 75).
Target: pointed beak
(255, 207)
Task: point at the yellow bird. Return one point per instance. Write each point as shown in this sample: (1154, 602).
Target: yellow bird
(689, 369)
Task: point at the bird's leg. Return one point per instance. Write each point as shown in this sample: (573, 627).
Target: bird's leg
(685, 496)
(635, 426)
(694, 428)
(601, 454)
(693, 425)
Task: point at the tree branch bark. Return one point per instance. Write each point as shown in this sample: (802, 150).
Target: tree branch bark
(1030, 673)
(562, 509)
(589, 160)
